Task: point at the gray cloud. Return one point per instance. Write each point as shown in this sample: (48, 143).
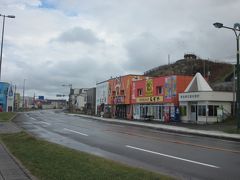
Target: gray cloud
(145, 51)
(78, 34)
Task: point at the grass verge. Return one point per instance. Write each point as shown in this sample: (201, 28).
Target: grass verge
(51, 161)
(232, 131)
(230, 126)
(6, 116)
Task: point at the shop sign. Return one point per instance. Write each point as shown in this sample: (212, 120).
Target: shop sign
(119, 100)
(189, 96)
(149, 87)
(152, 99)
(170, 87)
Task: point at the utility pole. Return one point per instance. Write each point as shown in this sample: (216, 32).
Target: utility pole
(23, 104)
(236, 30)
(70, 99)
(4, 16)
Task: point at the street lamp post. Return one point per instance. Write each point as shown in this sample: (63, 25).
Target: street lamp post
(23, 105)
(70, 99)
(8, 16)
(235, 29)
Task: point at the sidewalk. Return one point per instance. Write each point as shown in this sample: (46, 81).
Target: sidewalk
(10, 169)
(169, 128)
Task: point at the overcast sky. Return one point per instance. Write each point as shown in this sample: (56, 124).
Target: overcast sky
(81, 42)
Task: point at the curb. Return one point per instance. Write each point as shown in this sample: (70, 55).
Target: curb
(190, 132)
(19, 164)
(13, 117)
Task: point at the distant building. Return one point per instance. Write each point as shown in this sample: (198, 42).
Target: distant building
(91, 101)
(78, 99)
(28, 102)
(54, 104)
(190, 56)
(17, 101)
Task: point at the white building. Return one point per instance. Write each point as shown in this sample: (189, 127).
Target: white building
(78, 98)
(80, 102)
(200, 104)
(28, 102)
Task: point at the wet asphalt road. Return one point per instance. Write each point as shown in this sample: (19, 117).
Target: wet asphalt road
(181, 156)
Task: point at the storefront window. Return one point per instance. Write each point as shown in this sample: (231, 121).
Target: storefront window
(215, 110)
(139, 92)
(183, 110)
(114, 93)
(202, 110)
(210, 110)
(159, 89)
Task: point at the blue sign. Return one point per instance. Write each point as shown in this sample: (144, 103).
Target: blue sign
(41, 98)
(3, 95)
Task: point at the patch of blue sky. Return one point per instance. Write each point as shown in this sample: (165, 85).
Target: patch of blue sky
(50, 4)
(47, 4)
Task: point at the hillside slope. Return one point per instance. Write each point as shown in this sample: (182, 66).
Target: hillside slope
(215, 72)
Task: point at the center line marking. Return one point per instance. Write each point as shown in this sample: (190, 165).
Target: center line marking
(75, 132)
(173, 157)
(45, 123)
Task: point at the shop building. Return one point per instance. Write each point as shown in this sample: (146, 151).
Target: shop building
(200, 104)
(157, 97)
(102, 105)
(120, 95)
(6, 97)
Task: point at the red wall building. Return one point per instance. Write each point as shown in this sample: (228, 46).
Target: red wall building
(157, 97)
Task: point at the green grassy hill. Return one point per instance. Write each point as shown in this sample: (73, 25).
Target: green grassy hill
(214, 72)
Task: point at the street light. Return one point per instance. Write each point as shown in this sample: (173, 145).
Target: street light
(23, 105)
(68, 85)
(235, 29)
(70, 99)
(8, 16)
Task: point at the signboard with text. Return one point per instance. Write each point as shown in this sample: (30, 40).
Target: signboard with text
(152, 99)
(149, 87)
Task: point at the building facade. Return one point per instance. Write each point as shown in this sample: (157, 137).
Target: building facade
(17, 100)
(91, 101)
(157, 97)
(6, 97)
(78, 99)
(119, 97)
(200, 104)
(102, 104)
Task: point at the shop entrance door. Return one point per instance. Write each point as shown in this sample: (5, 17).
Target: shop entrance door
(193, 112)
(160, 113)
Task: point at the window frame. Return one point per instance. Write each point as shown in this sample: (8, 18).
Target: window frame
(140, 92)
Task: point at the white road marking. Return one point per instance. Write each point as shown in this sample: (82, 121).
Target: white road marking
(75, 132)
(44, 122)
(33, 118)
(173, 157)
